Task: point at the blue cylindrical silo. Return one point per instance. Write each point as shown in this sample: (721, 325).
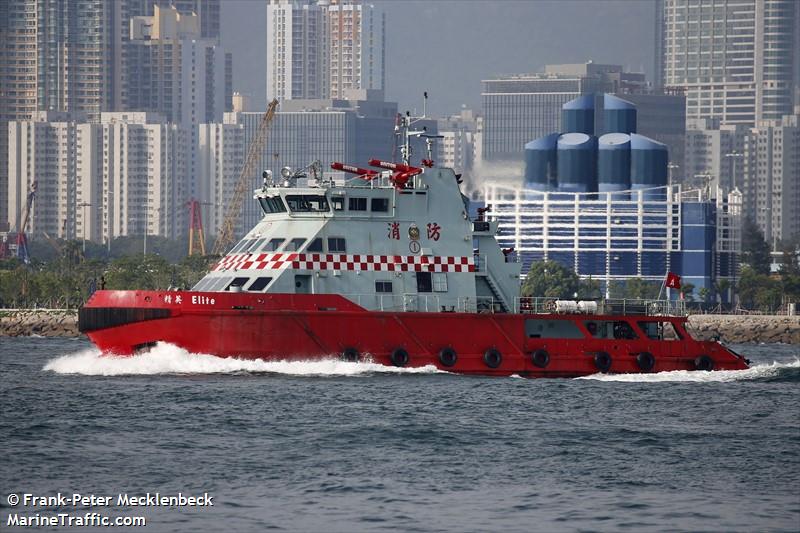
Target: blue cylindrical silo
(540, 163)
(577, 116)
(619, 116)
(577, 163)
(614, 164)
(649, 161)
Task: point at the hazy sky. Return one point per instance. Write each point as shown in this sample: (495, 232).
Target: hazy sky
(448, 46)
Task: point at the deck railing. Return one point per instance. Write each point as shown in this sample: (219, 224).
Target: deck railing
(621, 306)
(435, 303)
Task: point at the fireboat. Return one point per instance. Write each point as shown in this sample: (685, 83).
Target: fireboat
(388, 266)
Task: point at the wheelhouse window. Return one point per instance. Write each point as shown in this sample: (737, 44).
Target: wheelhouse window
(274, 244)
(380, 205)
(259, 284)
(610, 329)
(357, 204)
(237, 283)
(660, 330)
(272, 204)
(383, 286)
(244, 243)
(295, 245)
(338, 203)
(307, 203)
(256, 245)
(552, 329)
(336, 244)
(315, 245)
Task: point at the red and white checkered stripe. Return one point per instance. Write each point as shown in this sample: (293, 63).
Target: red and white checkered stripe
(373, 263)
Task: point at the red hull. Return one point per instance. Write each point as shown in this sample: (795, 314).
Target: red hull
(303, 327)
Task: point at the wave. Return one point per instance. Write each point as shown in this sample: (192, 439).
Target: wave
(170, 359)
(766, 372)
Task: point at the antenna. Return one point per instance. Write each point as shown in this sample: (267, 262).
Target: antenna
(404, 131)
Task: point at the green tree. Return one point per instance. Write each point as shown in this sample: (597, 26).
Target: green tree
(638, 288)
(755, 249)
(687, 290)
(552, 280)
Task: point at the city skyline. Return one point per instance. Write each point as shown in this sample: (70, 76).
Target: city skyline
(447, 48)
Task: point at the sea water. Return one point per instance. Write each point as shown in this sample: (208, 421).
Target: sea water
(335, 446)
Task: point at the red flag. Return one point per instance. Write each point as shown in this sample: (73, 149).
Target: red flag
(673, 281)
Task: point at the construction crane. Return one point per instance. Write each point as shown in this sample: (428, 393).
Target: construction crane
(225, 236)
(196, 227)
(22, 239)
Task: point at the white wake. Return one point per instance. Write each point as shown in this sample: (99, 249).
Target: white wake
(170, 359)
(760, 371)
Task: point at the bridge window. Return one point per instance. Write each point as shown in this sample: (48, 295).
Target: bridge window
(336, 244)
(315, 246)
(608, 329)
(357, 204)
(295, 245)
(383, 286)
(660, 331)
(380, 205)
(259, 284)
(274, 244)
(552, 329)
(307, 203)
(338, 203)
(244, 243)
(237, 282)
(256, 245)
(272, 205)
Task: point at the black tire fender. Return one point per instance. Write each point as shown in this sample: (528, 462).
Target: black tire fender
(704, 362)
(399, 357)
(350, 355)
(540, 358)
(448, 356)
(492, 358)
(646, 361)
(602, 361)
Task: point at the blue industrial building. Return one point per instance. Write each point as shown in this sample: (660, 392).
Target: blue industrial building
(604, 206)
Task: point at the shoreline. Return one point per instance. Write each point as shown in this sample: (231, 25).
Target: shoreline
(728, 328)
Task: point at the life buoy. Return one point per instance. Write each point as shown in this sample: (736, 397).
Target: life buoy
(350, 355)
(646, 361)
(399, 357)
(602, 360)
(492, 358)
(540, 358)
(448, 356)
(704, 362)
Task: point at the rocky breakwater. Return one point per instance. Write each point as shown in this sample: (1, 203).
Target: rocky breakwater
(746, 328)
(44, 322)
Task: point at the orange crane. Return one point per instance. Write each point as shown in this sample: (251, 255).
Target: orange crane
(196, 227)
(225, 235)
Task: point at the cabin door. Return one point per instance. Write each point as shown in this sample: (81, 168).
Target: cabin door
(302, 284)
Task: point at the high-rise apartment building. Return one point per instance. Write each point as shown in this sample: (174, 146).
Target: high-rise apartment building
(714, 154)
(771, 178)
(297, 58)
(320, 49)
(17, 80)
(736, 60)
(221, 154)
(100, 180)
(357, 47)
